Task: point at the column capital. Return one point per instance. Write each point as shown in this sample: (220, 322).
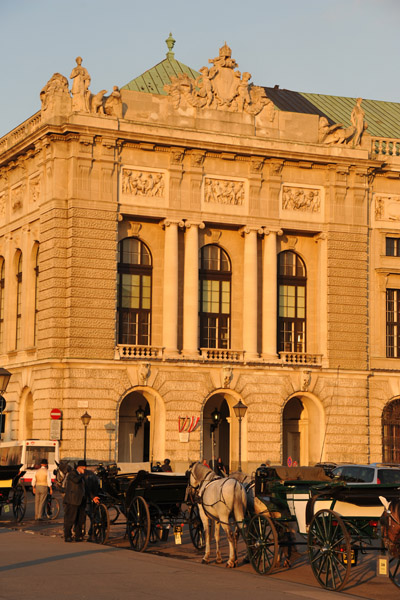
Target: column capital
(199, 224)
(249, 229)
(168, 222)
(266, 231)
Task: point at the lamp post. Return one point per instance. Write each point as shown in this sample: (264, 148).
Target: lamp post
(85, 420)
(4, 379)
(240, 411)
(215, 418)
(110, 428)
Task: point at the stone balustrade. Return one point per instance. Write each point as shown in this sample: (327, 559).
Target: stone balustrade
(20, 132)
(300, 358)
(385, 146)
(220, 355)
(125, 351)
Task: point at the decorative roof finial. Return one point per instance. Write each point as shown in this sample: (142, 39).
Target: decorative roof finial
(170, 44)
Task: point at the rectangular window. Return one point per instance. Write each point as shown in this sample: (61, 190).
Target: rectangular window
(392, 246)
(291, 321)
(392, 323)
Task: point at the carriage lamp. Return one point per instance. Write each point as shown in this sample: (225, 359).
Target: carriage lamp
(240, 411)
(4, 379)
(140, 417)
(85, 420)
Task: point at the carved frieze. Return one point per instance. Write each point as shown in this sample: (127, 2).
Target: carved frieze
(220, 87)
(224, 191)
(301, 199)
(2, 205)
(143, 183)
(387, 207)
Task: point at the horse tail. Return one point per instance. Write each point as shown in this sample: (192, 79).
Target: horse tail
(240, 503)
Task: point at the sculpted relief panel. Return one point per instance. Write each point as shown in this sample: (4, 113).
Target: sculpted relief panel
(148, 184)
(387, 207)
(224, 191)
(306, 201)
(34, 189)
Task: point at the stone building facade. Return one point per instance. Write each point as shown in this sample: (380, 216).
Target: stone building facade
(167, 255)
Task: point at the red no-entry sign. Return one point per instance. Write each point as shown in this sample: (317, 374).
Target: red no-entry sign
(55, 414)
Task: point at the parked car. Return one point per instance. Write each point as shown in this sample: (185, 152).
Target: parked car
(375, 473)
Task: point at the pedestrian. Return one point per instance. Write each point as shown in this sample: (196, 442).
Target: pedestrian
(41, 485)
(75, 503)
(220, 468)
(166, 467)
(205, 463)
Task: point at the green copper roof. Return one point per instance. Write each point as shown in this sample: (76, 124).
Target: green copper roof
(153, 80)
(383, 118)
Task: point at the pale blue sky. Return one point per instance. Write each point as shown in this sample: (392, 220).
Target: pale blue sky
(339, 47)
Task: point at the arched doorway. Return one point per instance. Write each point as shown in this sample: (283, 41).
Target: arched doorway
(26, 416)
(303, 427)
(391, 432)
(216, 428)
(134, 429)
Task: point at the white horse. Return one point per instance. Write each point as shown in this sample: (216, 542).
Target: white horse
(218, 497)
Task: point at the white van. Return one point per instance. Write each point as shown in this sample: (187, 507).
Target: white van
(29, 453)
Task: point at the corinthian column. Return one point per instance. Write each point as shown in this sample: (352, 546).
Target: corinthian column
(191, 289)
(269, 296)
(170, 291)
(250, 293)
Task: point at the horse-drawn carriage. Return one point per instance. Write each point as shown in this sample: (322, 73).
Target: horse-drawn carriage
(12, 492)
(337, 522)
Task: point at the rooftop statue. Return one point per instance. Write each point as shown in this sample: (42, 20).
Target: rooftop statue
(337, 134)
(80, 87)
(220, 87)
(55, 95)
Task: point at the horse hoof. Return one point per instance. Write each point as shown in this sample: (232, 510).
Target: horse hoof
(218, 560)
(204, 561)
(230, 565)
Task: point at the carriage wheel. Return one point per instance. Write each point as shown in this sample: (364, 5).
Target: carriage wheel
(394, 571)
(52, 508)
(155, 522)
(196, 528)
(262, 544)
(19, 502)
(138, 524)
(100, 524)
(329, 549)
(114, 513)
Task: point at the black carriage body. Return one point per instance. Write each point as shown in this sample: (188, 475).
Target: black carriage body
(12, 491)
(163, 490)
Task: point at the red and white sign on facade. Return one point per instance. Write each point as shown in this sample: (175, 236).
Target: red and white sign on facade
(55, 414)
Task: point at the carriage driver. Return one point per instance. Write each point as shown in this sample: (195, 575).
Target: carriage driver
(75, 503)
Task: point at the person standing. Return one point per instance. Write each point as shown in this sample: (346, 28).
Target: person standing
(166, 467)
(220, 469)
(75, 503)
(41, 485)
(92, 490)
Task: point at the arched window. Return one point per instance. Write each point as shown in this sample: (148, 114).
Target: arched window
(2, 271)
(36, 298)
(19, 302)
(215, 297)
(134, 293)
(391, 432)
(292, 281)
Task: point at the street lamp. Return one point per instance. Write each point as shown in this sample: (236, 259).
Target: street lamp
(4, 379)
(110, 428)
(240, 411)
(215, 421)
(140, 417)
(85, 420)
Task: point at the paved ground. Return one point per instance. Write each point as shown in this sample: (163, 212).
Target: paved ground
(27, 548)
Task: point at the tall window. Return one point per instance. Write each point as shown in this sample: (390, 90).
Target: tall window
(292, 281)
(19, 303)
(215, 297)
(391, 432)
(2, 270)
(36, 298)
(134, 293)
(392, 323)
(392, 246)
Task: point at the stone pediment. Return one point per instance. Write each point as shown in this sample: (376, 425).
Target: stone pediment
(220, 87)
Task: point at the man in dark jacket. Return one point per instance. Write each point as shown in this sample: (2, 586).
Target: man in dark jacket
(92, 490)
(75, 503)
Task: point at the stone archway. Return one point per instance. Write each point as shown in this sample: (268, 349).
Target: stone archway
(226, 435)
(148, 445)
(303, 427)
(26, 415)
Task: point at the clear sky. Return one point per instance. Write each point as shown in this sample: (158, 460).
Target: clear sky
(339, 47)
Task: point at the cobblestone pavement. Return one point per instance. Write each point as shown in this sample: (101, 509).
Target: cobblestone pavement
(363, 582)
